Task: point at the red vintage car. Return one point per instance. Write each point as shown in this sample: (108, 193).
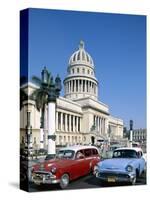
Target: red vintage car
(69, 164)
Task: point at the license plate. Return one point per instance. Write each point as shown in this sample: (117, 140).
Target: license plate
(111, 179)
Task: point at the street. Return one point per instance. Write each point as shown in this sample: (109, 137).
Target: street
(85, 182)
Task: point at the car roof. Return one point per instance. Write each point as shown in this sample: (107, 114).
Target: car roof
(78, 147)
(137, 149)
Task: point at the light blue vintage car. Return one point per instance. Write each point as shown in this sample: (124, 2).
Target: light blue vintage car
(125, 165)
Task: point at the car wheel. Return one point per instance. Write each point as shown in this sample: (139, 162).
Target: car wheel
(64, 181)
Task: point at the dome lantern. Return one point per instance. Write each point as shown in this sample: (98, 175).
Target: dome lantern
(81, 45)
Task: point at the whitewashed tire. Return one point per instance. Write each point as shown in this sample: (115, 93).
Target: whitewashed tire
(64, 181)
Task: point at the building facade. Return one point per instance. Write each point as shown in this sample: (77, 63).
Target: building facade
(139, 135)
(80, 117)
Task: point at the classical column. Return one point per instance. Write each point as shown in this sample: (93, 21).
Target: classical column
(75, 86)
(80, 85)
(97, 123)
(77, 123)
(104, 126)
(69, 87)
(88, 86)
(66, 127)
(69, 123)
(91, 87)
(101, 125)
(45, 127)
(85, 86)
(61, 121)
(73, 123)
(56, 120)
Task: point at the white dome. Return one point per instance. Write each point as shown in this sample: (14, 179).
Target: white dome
(81, 57)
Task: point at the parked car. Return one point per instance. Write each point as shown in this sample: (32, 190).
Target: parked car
(69, 163)
(125, 165)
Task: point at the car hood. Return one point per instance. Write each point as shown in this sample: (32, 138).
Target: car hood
(47, 165)
(115, 163)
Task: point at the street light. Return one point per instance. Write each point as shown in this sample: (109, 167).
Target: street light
(131, 132)
(45, 76)
(28, 133)
(53, 94)
(53, 91)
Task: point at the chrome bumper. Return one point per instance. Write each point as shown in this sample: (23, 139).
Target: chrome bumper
(40, 177)
(115, 177)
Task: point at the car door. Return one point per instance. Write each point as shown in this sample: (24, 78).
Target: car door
(88, 160)
(79, 165)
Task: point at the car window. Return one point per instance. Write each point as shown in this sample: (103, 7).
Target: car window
(87, 152)
(80, 154)
(94, 152)
(65, 154)
(123, 153)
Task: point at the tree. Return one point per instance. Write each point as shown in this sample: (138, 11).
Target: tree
(40, 96)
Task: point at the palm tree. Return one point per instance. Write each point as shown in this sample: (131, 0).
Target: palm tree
(40, 96)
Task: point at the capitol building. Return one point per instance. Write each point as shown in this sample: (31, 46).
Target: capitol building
(81, 118)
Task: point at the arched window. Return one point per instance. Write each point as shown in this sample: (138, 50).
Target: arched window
(74, 57)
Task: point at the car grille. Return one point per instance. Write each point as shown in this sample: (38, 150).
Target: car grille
(112, 174)
(40, 175)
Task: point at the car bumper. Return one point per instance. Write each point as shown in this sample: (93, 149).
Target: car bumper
(115, 177)
(40, 177)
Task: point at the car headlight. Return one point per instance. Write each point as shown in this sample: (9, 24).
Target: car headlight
(95, 170)
(129, 168)
(53, 170)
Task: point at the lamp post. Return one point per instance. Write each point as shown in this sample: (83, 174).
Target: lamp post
(54, 91)
(131, 132)
(45, 76)
(28, 132)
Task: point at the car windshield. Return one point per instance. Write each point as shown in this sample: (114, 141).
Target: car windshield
(124, 154)
(65, 154)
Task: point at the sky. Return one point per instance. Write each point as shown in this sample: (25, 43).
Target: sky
(117, 44)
